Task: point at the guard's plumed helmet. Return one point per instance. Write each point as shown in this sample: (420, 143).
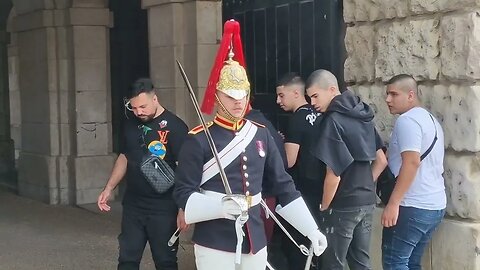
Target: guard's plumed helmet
(233, 79)
(228, 74)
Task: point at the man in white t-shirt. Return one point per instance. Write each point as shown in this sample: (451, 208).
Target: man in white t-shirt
(415, 156)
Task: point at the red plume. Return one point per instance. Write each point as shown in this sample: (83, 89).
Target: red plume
(231, 36)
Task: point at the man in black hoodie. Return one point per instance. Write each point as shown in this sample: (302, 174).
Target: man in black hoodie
(350, 147)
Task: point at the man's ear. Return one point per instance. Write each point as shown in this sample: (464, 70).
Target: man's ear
(332, 90)
(297, 92)
(411, 95)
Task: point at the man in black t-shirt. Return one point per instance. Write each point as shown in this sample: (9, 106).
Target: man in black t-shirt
(348, 144)
(147, 215)
(291, 98)
(307, 178)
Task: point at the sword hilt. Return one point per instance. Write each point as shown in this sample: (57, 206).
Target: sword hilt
(174, 237)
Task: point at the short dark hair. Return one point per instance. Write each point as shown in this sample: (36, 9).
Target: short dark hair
(404, 82)
(400, 77)
(142, 85)
(322, 78)
(289, 79)
(313, 78)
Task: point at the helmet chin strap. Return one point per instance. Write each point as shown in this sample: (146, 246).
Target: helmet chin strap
(228, 115)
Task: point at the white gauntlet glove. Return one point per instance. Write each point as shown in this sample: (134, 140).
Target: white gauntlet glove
(201, 207)
(319, 242)
(296, 213)
(231, 209)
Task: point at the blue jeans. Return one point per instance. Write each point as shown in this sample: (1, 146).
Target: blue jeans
(403, 244)
(348, 232)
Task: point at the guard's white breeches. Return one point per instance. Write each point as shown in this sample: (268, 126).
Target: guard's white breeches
(213, 259)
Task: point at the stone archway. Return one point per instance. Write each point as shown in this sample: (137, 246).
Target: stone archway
(7, 165)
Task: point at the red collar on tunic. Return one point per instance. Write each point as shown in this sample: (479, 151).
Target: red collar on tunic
(229, 124)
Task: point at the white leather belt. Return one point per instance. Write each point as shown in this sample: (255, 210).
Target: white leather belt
(254, 200)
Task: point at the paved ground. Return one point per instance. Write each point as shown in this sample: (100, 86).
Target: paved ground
(37, 236)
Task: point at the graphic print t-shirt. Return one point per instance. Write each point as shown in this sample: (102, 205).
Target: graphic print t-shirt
(163, 136)
(300, 130)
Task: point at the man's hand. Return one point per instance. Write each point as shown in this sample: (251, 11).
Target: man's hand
(181, 224)
(390, 215)
(234, 205)
(319, 242)
(408, 170)
(118, 172)
(103, 200)
(231, 209)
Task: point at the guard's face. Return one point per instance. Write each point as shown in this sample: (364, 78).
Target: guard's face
(144, 106)
(398, 101)
(320, 98)
(236, 107)
(285, 98)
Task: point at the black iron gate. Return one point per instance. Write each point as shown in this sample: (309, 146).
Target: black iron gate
(283, 36)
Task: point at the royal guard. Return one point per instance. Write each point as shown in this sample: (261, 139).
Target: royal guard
(221, 192)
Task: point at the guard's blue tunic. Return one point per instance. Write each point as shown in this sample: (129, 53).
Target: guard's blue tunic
(245, 175)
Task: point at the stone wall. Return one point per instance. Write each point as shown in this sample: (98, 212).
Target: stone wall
(59, 66)
(188, 31)
(438, 42)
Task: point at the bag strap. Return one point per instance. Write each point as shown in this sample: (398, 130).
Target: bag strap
(434, 140)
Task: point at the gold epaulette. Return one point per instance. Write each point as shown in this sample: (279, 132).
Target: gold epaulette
(199, 128)
(257, 124)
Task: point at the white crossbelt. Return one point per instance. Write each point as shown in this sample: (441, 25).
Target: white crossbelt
(239, 222)
(228, 154)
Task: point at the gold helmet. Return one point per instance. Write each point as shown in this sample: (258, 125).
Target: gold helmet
(233, 79)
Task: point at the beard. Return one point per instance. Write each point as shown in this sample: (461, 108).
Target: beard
(147, 117)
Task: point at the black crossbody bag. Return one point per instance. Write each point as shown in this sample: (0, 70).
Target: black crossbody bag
(386, 181)
(156, 171)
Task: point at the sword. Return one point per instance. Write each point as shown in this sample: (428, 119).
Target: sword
(174, 237)
(243, 203)
(302, 247)
(211, 143)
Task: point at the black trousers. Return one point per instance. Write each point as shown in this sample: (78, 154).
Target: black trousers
(137, 229)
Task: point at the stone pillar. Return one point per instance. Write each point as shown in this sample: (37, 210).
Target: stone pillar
(90, 21)
(188, 31)
(66, 154)
(7, 177)
(438, 42)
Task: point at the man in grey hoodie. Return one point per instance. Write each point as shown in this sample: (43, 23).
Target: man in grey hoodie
(348, 144)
